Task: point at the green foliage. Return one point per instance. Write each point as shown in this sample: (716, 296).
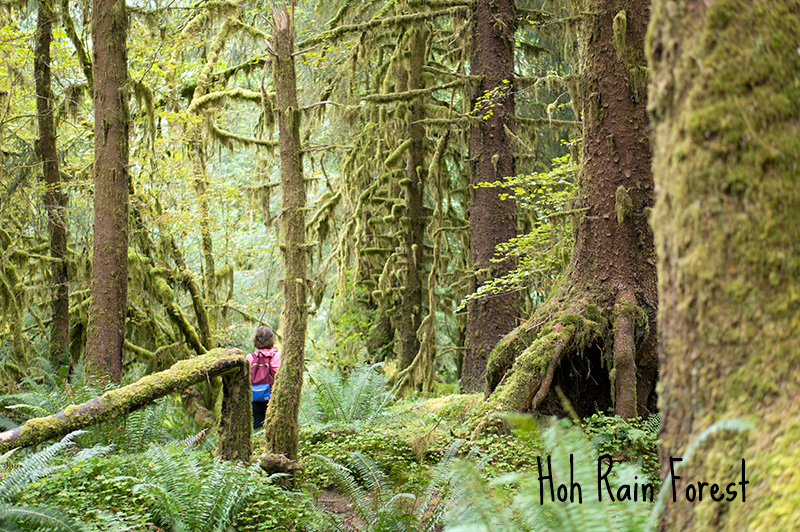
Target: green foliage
(504, 453)
(271, 509)
(189, 492)
(352, 322)
(98, 492)
(34, 467)
(634, 440)
(130, 433)
(512, 502)
(543, 251)
(392, 451)
(381, 508)
(101, 492)
(359, 398)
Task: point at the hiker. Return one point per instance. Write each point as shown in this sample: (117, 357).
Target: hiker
(264, 363)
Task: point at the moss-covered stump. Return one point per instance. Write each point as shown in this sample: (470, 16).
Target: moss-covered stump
(235, 427)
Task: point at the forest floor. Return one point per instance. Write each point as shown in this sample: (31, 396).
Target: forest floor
(340, 505)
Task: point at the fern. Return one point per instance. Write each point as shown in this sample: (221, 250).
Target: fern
(379, 507)
(23, 518)
(189, 495)
(360, 398)
(29, 470)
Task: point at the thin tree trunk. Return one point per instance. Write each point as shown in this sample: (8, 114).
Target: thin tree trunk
(491, 220)
(414, 220)
(281, 423)
(106, 331)
(54, 199)
(725, 112)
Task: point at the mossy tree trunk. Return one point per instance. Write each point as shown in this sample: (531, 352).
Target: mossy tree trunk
(413, 221)
(235, 427)
(106, 331)
(595, 337)
(726, 121)
(281, 423)
(491, 219)
(55, 200)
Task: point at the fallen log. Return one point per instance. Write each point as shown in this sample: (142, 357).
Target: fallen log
(235, 428)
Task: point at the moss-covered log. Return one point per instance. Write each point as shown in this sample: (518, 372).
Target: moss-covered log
(235, 427)
(725, 108)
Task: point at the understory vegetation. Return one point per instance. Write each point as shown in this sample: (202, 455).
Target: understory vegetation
(409, 468)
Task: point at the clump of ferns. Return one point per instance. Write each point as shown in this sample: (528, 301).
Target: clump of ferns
(192, 491)
(358, 398)
(378, 506)
(32, 468)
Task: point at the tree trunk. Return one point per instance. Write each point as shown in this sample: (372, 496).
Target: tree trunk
(106, 331)
(725, 110)
(491, 219)
(281, 424)
(413, 221)
(235, 427)
(54, 199)
(602, 317)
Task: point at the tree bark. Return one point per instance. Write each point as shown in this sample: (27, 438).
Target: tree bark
(54, 199)
(725, 110)
(235, 427)
(106, 331)
(491, 219)
(281, 424)
(602, 317)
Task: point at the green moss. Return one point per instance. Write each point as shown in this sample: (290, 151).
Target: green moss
(727, 109)
(638, 78)
(620, 31)
(623, 206)
(395, 156)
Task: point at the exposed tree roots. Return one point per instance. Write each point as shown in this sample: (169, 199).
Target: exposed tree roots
(587, 349)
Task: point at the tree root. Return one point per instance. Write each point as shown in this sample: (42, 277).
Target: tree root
(530, 380)
(574, 345)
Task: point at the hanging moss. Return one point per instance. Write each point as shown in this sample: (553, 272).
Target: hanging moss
(395, 156)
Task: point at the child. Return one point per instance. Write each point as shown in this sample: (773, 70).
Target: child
(264, 363)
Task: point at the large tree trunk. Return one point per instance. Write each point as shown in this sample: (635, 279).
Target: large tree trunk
(281, 423)
(726, 116)
(235, 426)
(491, 219)
(106, 331)
(595, 337)
(54, 199)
